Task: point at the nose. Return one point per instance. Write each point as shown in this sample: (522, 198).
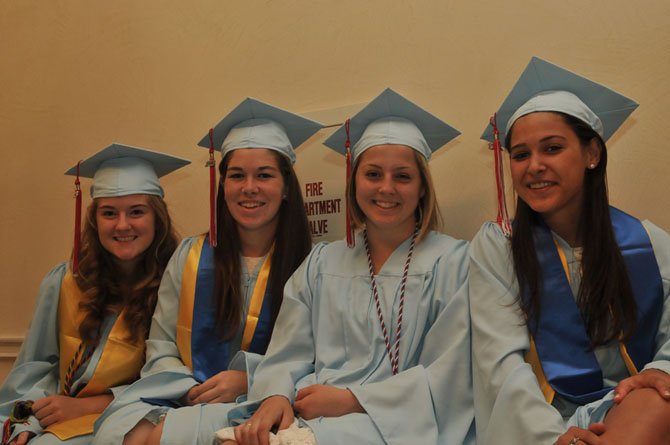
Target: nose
(122, 223)
(387, 185)
(249, 185)
(535, 164)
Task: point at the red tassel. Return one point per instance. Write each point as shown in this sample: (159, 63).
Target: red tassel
(211, 163)
(6, 431)
(351, 241)
(503, 217)
(77, 224)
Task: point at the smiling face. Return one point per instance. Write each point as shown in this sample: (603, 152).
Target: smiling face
(548, 164)
(388, 188)
(254, 189)
(126, 228)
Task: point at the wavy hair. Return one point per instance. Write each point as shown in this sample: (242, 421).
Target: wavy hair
(102, 282)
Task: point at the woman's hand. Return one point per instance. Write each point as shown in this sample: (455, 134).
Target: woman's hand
(22, 438)
(275, 411)
(223, 387)
(650, 378)
(325, 401)
(57, 408)
(580, 436)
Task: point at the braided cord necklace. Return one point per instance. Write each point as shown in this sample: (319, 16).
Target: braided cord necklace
(394, 352)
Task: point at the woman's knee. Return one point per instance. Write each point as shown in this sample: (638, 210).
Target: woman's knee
(141, 434)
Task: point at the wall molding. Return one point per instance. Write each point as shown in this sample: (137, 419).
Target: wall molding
(9, 347)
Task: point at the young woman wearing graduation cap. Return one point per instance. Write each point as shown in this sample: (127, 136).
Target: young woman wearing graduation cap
(221, 291)
(86, 339)
(578, 353)
(372, 343)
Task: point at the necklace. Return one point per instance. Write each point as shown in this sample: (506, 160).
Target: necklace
(393, 355)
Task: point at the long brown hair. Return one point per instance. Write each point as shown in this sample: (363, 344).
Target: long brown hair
(293, 241)
(427, 211)
(100, 279)
(605, 296)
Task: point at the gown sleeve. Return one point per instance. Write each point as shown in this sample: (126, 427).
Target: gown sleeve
(660, 241)
(290, 355)
(36, 371)
(509, 405)
(164, 375)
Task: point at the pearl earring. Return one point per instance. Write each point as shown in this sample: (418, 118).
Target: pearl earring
(592, 166)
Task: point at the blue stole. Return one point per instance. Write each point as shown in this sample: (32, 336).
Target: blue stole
(210, 355)
(563, 345)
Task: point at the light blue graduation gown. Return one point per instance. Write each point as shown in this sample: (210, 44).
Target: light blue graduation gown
(36, 370)
(328, 332)
(509, 405)
(165, 376)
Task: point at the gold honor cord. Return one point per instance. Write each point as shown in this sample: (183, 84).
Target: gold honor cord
(256, 302)
(533, 358)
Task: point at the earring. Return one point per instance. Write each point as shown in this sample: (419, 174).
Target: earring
(592, 166)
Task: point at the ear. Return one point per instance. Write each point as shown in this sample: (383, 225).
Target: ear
(593, 151)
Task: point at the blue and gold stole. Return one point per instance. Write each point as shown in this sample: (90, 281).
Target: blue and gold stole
(197, 338)
(561, 354)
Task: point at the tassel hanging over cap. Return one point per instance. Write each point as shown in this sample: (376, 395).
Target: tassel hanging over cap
(211, 163)
(77, 224)
(503, 216)
(348, 159)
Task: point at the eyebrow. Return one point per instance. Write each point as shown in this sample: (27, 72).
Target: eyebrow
(263, 167)
(401, 167)
(544, 139)
(109, 206)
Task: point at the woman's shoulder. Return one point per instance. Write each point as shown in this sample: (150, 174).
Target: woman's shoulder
(56, 274)
(660, 242)
(490, 236)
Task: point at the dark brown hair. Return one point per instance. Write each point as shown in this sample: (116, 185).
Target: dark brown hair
(105, 288)
(605, 297)
(293, 241)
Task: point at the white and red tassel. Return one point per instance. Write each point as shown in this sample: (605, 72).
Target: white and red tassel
(351, 241)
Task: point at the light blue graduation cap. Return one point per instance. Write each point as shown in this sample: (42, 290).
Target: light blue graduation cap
(544, 86)
(391, 119)
(121, 170)
(255, 124)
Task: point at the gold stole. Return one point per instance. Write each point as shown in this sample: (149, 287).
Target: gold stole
(534, 360)
(119, 363)
(187, 302)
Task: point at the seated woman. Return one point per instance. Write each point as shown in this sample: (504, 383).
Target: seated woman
(570, 315)
(221, 293)
(373, 340)
(86, 339)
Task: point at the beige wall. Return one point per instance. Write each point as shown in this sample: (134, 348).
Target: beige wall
(76, 75)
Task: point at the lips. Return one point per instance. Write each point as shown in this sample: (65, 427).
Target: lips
(385, 204)
(251, 204)
(539, 185)
(125, 239)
